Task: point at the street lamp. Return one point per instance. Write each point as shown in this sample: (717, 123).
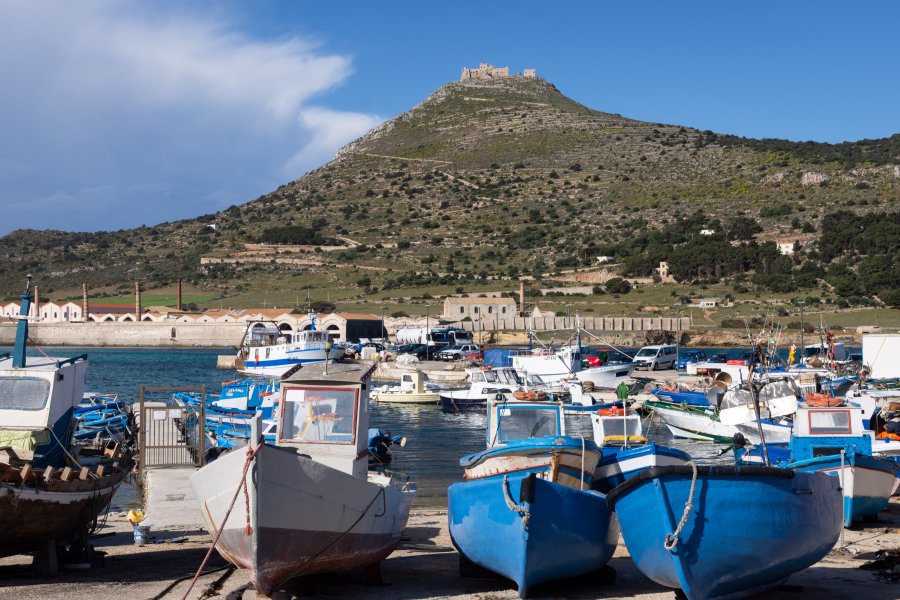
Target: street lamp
(427, 333)
(802, 351)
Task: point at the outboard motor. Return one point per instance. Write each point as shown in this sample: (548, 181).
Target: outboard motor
(380, 443)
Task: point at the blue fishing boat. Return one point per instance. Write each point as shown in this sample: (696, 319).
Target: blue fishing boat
(527, 496)
(832, 440)
(682, 397)
(624, 450)
(726, 531)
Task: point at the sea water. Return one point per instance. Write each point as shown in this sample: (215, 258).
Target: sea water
(435, 439)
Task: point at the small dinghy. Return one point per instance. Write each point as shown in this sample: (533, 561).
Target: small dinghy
(314, 506)
(528, 496)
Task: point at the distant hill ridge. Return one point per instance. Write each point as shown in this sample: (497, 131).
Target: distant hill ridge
(483, 178)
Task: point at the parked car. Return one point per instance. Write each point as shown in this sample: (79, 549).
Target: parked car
(656, 357)
(689, 356)
(459, 352)
(420, 351)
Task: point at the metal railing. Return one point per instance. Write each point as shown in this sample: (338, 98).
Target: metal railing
(171, 431)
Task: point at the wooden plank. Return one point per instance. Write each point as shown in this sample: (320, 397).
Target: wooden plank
(49, 472)
(100, 470)
(85, 472)
(66, 474)
(25, 472)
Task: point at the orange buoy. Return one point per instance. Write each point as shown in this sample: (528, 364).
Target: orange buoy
(822, 401)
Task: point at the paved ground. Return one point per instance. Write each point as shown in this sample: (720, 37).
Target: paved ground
(169, 499)
(425, 566)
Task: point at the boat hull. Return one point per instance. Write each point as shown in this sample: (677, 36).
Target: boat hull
(618, 464)
(487, 532)
(733, 543)
(867, 482)
(306, 517)
(407, 398)
(699, 423)
(30, 517)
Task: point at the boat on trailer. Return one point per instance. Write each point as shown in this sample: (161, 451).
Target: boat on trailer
(314, 506)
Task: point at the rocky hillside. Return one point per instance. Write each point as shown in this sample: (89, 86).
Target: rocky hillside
(484, 178)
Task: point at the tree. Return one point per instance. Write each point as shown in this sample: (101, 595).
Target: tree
(617, 285)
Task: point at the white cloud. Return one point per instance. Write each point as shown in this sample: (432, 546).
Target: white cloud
(329, 131)
(116, 112)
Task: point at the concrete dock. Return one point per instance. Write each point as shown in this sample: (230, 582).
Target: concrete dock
(424, 566)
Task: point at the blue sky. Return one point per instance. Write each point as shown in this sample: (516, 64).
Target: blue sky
(116, 114)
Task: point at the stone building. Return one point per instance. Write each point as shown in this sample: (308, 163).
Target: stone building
(484, 71)
(457, 309)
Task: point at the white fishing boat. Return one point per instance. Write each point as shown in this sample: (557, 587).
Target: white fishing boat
(266, 350)
(552, 365)
(313, 504)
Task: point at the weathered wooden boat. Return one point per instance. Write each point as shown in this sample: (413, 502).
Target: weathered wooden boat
(47, 499)
(528, 496)
(719, 532)
(314, 506)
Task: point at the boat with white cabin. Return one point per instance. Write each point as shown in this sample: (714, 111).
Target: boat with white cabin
(267, 350)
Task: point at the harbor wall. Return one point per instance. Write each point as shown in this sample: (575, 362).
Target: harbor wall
(129, 334)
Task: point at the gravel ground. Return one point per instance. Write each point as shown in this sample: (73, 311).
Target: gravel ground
(425, 566)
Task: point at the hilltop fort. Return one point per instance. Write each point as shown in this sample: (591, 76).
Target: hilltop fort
(486, 71)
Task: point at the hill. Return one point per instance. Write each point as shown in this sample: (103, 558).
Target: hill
(488, 179)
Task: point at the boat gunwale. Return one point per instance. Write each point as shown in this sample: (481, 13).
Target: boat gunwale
(702, 470)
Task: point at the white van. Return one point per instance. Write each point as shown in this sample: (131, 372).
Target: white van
(656, 357)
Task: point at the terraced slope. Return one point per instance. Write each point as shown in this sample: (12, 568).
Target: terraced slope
(499, 178)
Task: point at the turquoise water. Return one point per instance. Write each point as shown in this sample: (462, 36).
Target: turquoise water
(436, 440)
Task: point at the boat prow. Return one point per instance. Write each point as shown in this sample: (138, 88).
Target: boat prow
(732, 541)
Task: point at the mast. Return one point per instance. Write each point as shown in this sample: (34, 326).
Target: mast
(22, 328)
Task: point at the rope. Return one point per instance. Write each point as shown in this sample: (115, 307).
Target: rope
(582, 463)
(672, 539)
(511, 504)
(251, 454)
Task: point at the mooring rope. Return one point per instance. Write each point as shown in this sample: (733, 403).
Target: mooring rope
(251, 454)
(672, 539)
(511, 504)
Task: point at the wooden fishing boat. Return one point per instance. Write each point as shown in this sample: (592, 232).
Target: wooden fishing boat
(528, 496)
(624, 451)
(719, 532)
(48, 500)
(412, 390)
(313, 506)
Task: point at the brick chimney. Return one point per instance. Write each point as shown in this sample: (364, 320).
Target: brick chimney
(37, 301)
(137, 301)
(521, 298)
(178, 297)
(85, 307)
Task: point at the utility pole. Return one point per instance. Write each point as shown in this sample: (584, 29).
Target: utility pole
(568, 308)
(801, 303)
(427, 333)
(383, 331)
